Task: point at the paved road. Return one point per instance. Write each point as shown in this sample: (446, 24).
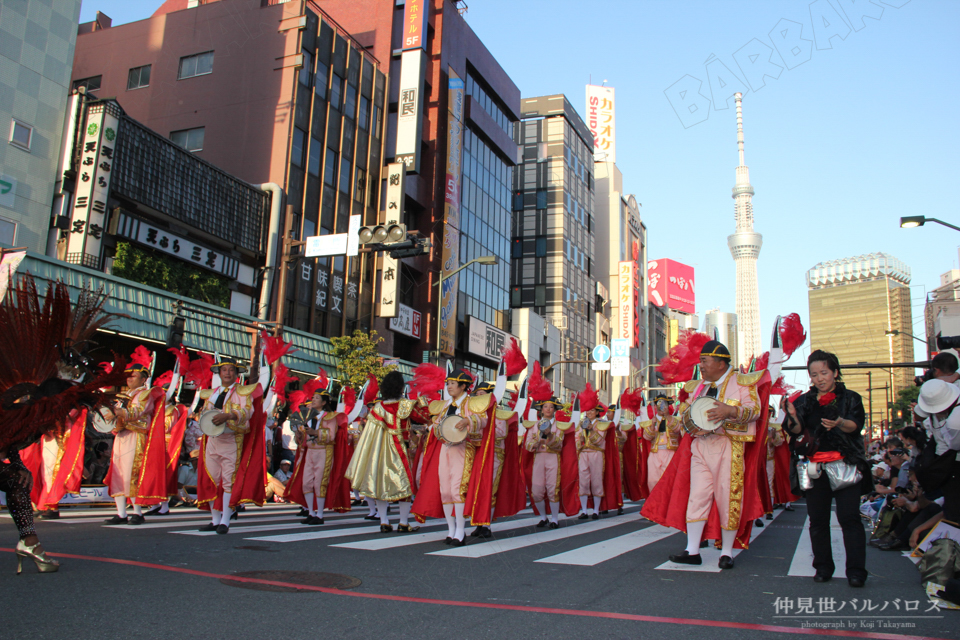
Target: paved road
(588, 579)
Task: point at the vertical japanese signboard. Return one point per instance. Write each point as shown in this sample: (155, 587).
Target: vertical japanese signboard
(451, 216)
(396, 189)
(88, 223)
(410, 109)
(625, 326)
(414, 24)
(601, 120)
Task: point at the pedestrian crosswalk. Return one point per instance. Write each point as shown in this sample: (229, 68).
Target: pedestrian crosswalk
(576, 543)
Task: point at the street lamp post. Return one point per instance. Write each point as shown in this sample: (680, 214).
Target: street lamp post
(897, 332)
(910, 222)
(487, 260)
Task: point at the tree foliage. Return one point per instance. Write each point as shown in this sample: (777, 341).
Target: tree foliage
(176, 276)
(902, 411)
(357, 357)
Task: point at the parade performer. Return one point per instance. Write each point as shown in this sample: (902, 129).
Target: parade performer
(782, 494)
(231, 469)
(549, 458)
(591, 443)
(322, 457)
(175, 425)
(137, 465)
(662, 433)
(712, 480)
(510, 496)
(380, 468)
(37, 339)
(633, 462)
(457, 477)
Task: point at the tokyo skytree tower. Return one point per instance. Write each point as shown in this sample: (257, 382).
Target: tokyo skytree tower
(745, 246)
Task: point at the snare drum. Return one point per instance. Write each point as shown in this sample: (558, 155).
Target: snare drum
(695, 421)
(207, 426)
(448, 433)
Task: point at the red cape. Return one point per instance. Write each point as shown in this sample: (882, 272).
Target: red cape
(174, 446)
(634, 467)
(294, 488)
(667, 504)
(763, 486)
(69, 472)
(478, 504)
(511, 492)
(250, 482)
(427, 503)
(152, 481)
(781, 474)
(612, 476)
(644, 468)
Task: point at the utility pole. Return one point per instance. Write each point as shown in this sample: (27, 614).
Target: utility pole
(286, 259)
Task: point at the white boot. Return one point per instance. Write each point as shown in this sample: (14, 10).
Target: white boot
(382, 512)
(583, 505)
(555, 512)
(308, 498)
(227, 511)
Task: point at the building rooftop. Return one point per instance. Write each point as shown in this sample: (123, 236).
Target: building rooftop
(858, 269)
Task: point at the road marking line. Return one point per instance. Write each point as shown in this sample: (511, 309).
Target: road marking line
(593, 554)
(330, 533)
(272, 527)
(802, 563)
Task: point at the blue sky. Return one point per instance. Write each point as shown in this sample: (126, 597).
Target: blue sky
(839, 146)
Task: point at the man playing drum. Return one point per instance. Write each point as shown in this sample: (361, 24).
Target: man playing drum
(229, 406)
(663, 434)
(505, 422)
(717, 471)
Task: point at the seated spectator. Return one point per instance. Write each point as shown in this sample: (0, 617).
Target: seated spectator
(918, 509)
(187, 478)
(95, 469)
(283, 474)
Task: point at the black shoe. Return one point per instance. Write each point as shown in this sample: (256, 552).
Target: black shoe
(769, 516)
(582, 516)
(894, 545)
(222, 529)
(373, 517)
(541, 524)
(596, 516)
(855, 582)
(454, 542)
(406, 528)
(704, 544)
(317, 520)
(684, 557)
(486, 533)
(386, 528)
(620, 511)
(758, 523)
(356, 503)
(879, 542)
(447, 540)
(789, 508)
(302, 512)
(136, 520)
(603, 513)
(235, 514)
(309, 520)
(822, 577)
(208, 527)
(726, 562)
(49, 514)
(554, 525)
(155, 512)
(116, 520)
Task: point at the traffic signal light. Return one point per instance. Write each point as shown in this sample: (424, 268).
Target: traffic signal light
(383, 234)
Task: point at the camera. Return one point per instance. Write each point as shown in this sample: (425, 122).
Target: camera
(897, 452)
(948, 342)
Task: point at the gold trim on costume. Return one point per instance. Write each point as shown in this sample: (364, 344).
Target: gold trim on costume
(736, 486)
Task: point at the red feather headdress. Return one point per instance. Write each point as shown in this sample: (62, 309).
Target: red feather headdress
(199, 372)
(538, 388)
(792, 334)
(631, 401)
(372, 390)
(163, 379)
(514, 358)
(678, 365)
(589, 398)
(297, 398)
(780, 387)
(106, 367)
(183, 358)
(141, 356)
(324, 380)
(275, 348)
(349, 399)
(428, 380)
(281, 378)
(312, 386)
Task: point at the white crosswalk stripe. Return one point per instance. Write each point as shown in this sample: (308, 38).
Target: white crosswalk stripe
(593, 554)
(235, 529)
(802, 563)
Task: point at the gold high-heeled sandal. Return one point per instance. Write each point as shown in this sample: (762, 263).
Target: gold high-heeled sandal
(44, 563)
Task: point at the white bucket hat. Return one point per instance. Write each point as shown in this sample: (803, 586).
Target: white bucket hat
(937, 396)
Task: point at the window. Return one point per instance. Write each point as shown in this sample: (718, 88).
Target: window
(363, 117)
(306, 71)
(336, 90)
(198, 65)
(21, 134)
(316, 156)
(345, 175)
(518, 201)
(320, 80)
(90, 84)
(541, 198)
(540, 291)
(541, 247)
(330, 170)
(299, 142)
(361, 185)
(138, 78)
(189, 139)
(8, 232)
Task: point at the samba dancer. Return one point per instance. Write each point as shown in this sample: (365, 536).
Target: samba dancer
(232, 405)
(663, 434)
(722, 462)
(380, 467)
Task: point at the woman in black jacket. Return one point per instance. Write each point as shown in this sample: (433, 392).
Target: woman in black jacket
(829, 419)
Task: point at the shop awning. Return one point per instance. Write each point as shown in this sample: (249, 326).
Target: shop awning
(149, 311)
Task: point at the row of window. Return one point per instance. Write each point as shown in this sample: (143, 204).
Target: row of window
(199, 64)
(479, 93)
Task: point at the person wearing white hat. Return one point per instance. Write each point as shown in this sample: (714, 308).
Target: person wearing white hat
(938, 402)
